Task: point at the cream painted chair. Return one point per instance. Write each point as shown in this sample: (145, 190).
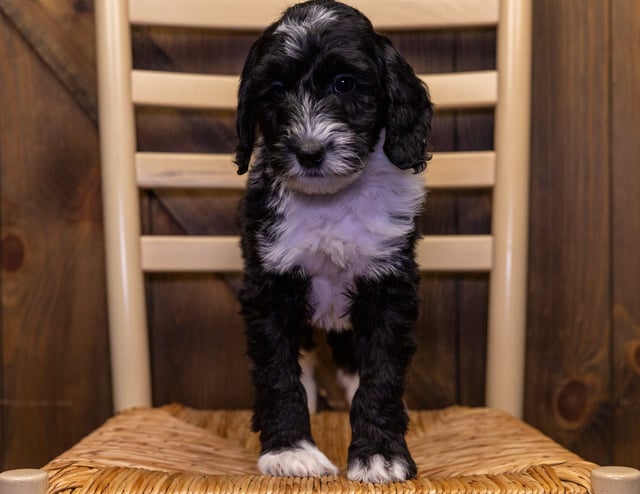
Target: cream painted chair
(503, 253)
(175, 449)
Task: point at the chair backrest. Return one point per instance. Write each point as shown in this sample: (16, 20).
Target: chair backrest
(125, 171)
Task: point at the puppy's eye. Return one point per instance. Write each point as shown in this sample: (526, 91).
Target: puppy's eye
(342, 84)
(277, 90)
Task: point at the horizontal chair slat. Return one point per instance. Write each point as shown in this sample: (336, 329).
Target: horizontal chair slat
(183, 90)
(455, 253)
(188, 171)
(254, 15)
(461, 170)
(462, 90)
(222, 253)
(216, 171)
(154, 88)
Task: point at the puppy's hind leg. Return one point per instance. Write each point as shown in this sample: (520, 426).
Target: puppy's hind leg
(275, 312)
(343, 353)
(308, 365)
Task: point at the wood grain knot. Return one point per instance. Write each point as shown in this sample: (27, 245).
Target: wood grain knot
(12, 248)
(81, 7)
(572, 403)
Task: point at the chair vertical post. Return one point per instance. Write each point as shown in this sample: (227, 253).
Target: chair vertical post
(130, 368)
(507, 310)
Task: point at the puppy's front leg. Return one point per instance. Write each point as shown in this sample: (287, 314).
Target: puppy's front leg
(383, 315)
(275, 310)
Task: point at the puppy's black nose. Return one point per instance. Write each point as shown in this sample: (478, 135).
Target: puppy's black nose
(310, 154)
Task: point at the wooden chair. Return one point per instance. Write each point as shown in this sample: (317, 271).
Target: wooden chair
(174, 448)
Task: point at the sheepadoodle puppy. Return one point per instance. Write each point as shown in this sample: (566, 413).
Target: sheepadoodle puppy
(333, 126)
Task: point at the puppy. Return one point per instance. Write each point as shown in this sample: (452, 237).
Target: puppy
(337, 124)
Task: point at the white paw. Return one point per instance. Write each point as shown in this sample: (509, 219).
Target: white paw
(378, 470)
(305, 460)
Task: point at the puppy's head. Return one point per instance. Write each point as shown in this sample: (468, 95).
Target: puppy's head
(319, 87)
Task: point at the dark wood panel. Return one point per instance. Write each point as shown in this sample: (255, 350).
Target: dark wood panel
(198, 348)
(198, 343)
(625, 192)
(62, 34)
(449, 366)
(197, 337)
(54, 342)
(568, 380)
(432, 377)
(476, 50)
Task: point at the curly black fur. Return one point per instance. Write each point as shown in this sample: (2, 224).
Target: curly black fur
(329, 109)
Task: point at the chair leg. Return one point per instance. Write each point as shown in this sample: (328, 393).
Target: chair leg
(24, 481)
(615, 480)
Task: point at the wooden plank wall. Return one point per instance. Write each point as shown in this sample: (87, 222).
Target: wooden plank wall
(625, 230)
(55, 381)
(583, 366)
(569, 331)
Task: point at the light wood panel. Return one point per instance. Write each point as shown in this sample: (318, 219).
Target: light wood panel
(156, 88)
(256, 14)
(222, 253)
(217, 171)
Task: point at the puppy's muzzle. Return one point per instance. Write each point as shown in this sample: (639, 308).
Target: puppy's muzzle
(310, 152)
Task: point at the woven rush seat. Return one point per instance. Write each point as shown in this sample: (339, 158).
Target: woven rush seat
(175, 449)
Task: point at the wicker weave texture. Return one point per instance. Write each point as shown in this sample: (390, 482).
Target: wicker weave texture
(180, 450)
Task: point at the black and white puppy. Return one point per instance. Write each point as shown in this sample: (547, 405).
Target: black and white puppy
(337, 124)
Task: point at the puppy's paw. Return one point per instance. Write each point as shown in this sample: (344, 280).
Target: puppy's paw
(378, 470)
(305, 460)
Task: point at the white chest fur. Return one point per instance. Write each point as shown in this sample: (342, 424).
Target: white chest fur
(352, 233)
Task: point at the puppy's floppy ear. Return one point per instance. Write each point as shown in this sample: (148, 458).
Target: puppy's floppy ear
(246, 116)
(409, 111)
